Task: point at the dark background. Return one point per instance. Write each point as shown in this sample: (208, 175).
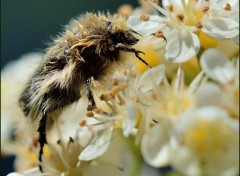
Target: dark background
(27, 25)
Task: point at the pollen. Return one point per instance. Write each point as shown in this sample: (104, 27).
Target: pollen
(115, 90)
(159, 34)
(133, 74)
(205, 9)
(83, 123)
(155, 1)
(105, 97)
(228, 7)
(123, 86)
(154, 96)
(115, 82)
(144, 17)
(170, 8)
(89, 114)
(199, 25)
(98, 110)
(180, 17)
(126, 71)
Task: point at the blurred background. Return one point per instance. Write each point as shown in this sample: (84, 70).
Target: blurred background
(27, 26)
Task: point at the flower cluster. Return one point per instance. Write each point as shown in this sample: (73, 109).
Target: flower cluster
(180, 117)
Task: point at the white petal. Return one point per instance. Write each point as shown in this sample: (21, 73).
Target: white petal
(100, 170)
(217, 66)
(218, 132)
(196, 82)
(131, 118)
(221, 28)
(154, 146)
(15, 174)
(150, 78)
(98, 145)
(182, 47)
(145, 27)
(209, 94)
(184, 161)
(179, 82)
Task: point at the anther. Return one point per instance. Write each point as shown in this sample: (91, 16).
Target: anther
(199, 25)
(89, 114)
(98, 110)
(83, 123)
(180, 17)
(228, 7)
(115, 82)
(105, 97)
(160, 34)
(170, 8)
(144, 17)
(123, 86)
(154, 96)
(205, 9)
(115, 90)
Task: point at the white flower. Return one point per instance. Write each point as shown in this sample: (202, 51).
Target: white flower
(182, 19)
(219, 68)
(13, 77)
(155, 145)
(161, 100)
(204, 141)
(207, 143)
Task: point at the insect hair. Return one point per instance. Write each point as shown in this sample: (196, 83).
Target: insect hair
(78, 61)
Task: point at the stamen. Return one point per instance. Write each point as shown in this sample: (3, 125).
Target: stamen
(180, 17)
(105, 97)
(121, 101)
(199, 25)
(170, 8)
(98, 111)
(205, 9)
(155, 1)
(69, 144)
(160, 34)
(144, 17)
(115, 82)
(114, 91)
(126, 72)
(228, 7)
(89, 114)
(83, 123)
(133, 74)
(102, 112)
(123, 86)
(154, 96)
(161, 10)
